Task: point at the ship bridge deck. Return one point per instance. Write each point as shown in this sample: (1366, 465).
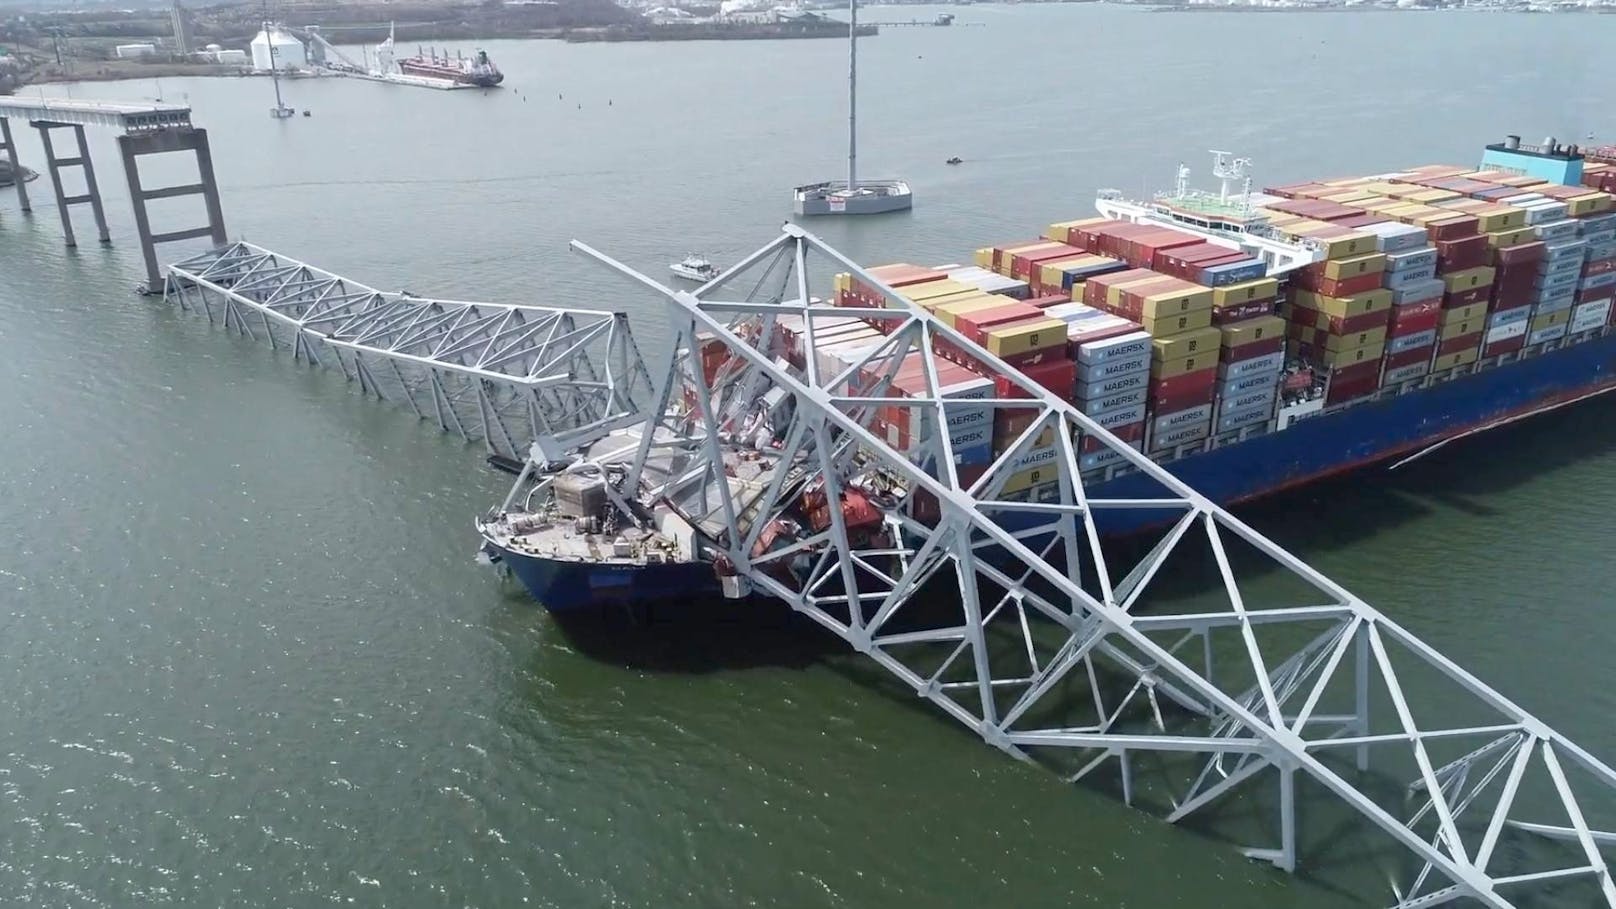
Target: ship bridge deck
(508, 375)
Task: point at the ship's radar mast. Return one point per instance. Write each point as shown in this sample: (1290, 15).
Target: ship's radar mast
(1228, 169)
(1181, 188)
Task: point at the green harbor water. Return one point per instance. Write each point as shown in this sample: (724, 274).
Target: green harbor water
(246, 658)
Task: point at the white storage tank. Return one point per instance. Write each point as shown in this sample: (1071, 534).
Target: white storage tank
(288, 51)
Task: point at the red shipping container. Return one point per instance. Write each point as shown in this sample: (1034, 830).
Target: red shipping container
(1096, 288)
(1242, 311)
(1341, 390)
(1461, 343)
(1024, 267)
(1414, 318)
(1509, 345)
(1452, 228)
(1192, 389)
(1357, 371)
(1335, 287)
(1596, 293)
(1462, 253)
(1048, 300)
(1132, 432)
(1338, 325)
(1520, 253)
(1059, 376)
(1088, 236)
(1466, 297)
(1252, 351)
(1410, 357)
(1598, 267)
(1363, 220)
(1028, 358)
(999, 261)
(974, 324)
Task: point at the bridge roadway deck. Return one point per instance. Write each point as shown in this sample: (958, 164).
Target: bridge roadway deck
(131, 117)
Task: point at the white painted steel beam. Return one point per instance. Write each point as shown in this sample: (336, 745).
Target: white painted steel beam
(1046, 657)
(133, 117)
(504, 374)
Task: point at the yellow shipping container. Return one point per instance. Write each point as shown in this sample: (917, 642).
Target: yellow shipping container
(1469, 279)
(1173, 347)
(1366, 338)
(1178, 302)
(1588, 204)
(1511, 237)
(965, 296)
(1245, 292)
(1113, 292)
(1350, 355)
(1550, 319)
(1032, 476)
(1349, 196)
(844, 282)
(1459, 329)
(1060, 230)
(947, 312)
(1452, 360)
(1051, 273)
(1501, 217)
(1379, 204)
(917, 293)
(1167, 369)
(983, 258)
(1246, 331)
(1175, 324)
(1372, 264)
(1343, 307)
(1470, 313)
(1026, 336)
(1430, 196)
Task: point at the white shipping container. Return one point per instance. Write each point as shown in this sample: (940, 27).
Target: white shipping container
(1122, 346)
(1096, 459)
(1507, 331)
(1072, 312)
(1555, 230)
(1101, 388)
(1599, 250)
(1563, 281)
(1563, 249)
(1111, 368)
(1599, 222)
(1419, 292)
(1122, 416)
(1396, 280)
(1107, 403)
(1392, 236)
(1255, 366)
(1554, 305)
(1240, 385)
(1566, 263)
(1552, 333)
(1261, 398)
(1241, 419)
(1170, 421)
(1590, 315)
(1600, 280)
(1545, 211)
(991, 282)
(1409, 342)
(1181, 435)
(1510, 316)
(1405, 373)
(1411, 260)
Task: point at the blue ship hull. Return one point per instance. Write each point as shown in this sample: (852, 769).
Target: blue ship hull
(1309, 450)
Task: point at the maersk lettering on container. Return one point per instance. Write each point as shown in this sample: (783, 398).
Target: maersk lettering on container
(1094, 352)
(1168, 422)
(1122, 416)
(1232, 421)
(1181, 436)
(1098, 459)
(1405, 373)
(1544, 335)
(1115, 367)
(1268, 363)
(1260, 399)
(1114, 385)
(1247, 384)
(1096, 406)
(1415, 340)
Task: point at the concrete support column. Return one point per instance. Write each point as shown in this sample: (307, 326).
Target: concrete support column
(92, 188)
(171, 140)
(56, 183)
(16, 166)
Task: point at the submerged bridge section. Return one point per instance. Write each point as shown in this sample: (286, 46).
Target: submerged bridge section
(1280, 703)
(146, 129)
(509, 376)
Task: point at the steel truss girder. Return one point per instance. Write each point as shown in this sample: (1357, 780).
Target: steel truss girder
(506, 375)
(1044, 633)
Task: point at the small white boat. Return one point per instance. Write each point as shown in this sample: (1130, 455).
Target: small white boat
(695, 268)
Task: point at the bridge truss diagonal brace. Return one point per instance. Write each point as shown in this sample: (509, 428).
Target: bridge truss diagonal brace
(1034, 639)
(509, 376)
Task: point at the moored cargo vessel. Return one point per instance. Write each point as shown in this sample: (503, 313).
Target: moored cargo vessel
(477, 70)
(1247, 341)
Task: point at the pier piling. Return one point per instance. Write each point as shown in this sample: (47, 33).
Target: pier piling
(91, 194)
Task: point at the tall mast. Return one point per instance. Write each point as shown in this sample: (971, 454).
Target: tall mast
(852, 94)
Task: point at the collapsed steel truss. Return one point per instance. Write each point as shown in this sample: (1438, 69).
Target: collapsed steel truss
(1061, 648)
(507, 375)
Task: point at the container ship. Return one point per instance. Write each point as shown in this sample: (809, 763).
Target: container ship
(1249, 341)
(476, 70)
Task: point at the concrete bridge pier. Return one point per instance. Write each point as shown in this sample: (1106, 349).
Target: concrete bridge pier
(92, 192)
(136, 145)
(10, 149)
